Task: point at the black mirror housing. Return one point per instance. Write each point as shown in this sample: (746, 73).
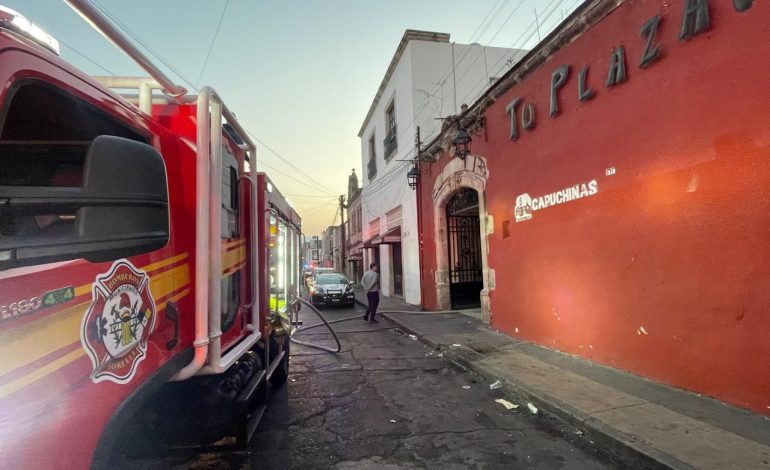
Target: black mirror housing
(121, 209)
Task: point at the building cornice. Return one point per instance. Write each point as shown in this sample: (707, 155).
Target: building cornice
(409, 35)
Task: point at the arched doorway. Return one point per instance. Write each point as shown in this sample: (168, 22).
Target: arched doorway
(466, 279)
(456, 176)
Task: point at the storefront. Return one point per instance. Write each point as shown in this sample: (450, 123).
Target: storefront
(621, 172)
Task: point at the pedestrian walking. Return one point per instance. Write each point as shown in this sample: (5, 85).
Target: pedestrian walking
(371, 284)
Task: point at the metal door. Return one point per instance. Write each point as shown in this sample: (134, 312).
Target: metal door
(464, 243)
(398, 271)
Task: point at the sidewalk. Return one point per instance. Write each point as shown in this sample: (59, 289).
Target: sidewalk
(640, 422)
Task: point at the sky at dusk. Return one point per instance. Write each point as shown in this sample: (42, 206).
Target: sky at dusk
(300, 75)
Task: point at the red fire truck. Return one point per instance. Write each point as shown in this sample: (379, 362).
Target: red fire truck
(145, 266)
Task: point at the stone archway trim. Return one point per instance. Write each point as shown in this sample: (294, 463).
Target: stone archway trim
(469, 173)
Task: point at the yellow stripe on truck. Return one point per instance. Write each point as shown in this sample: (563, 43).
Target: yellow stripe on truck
(233, 258)
(86, 288)
(41, 372)
(27, 343)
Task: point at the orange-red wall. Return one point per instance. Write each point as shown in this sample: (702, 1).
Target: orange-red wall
(665, 272)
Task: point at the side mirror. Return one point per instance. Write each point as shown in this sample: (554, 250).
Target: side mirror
(120, 210)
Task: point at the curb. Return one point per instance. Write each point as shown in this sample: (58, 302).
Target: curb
(616, 445)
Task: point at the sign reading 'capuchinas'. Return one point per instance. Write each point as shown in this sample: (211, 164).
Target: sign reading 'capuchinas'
(695, 20)
(525, 204)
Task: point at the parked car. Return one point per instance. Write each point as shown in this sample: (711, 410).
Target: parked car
(332, 288)
(318, 271)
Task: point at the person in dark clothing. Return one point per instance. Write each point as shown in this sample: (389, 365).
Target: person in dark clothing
(371, 284)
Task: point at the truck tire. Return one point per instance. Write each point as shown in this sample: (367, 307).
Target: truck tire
(281, 373)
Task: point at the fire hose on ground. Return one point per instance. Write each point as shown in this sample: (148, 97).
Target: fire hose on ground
(295, 323)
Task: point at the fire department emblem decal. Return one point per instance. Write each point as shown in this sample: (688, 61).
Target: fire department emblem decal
(119, 321)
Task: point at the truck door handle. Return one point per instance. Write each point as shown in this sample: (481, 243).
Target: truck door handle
(173, 315)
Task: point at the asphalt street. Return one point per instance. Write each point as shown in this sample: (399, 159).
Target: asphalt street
(390, 402)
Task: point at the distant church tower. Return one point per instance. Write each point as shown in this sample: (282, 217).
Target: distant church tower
(352, 185)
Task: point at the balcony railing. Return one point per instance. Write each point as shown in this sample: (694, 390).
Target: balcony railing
(391, 142)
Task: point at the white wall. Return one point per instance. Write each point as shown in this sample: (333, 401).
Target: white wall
(435, 78)
(423, 85)
(389, 189)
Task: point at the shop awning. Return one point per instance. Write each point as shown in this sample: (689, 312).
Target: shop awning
(369, 243)
(391, 236)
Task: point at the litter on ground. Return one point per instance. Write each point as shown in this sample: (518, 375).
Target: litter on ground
(508, 405)
(392, 420)
(532, 408)
(413, 337)
(466, 387)
(496, 385)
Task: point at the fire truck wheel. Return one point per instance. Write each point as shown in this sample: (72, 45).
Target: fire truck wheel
(282, 372)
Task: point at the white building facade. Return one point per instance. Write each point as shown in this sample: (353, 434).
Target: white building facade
(428, 78)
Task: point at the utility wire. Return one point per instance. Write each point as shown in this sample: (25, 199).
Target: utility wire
(327, 203)
(86, 57)
(518, 44)
(306, 196)
(486, 23)
(468, 69)
(107, 13)
(136, 38)
(211, 45)
(480, 30)
(280, 157)
(291, 177)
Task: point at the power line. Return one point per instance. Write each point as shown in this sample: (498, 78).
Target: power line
(291, 177)
(211, 45)
(142, 43)
(87, 58)
(553, 6)
(171, 67)
(306, 196)
(444, 76)
(327, 203)
(161, 59)
(334, 220)
(374, 190)
(280, 157)
(316, 214)
(473, 34)
(492, 39)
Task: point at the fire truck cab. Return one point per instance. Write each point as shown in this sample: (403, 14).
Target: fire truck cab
(145, 266)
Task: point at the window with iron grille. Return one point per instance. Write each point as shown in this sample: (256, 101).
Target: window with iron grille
(391, 142)
(372, 166)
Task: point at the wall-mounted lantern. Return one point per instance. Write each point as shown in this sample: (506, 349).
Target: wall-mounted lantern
(462, 143)
(412, 176)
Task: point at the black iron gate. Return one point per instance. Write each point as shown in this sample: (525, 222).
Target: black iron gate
(464, 242)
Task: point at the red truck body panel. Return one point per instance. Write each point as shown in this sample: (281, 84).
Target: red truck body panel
(56, 398)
